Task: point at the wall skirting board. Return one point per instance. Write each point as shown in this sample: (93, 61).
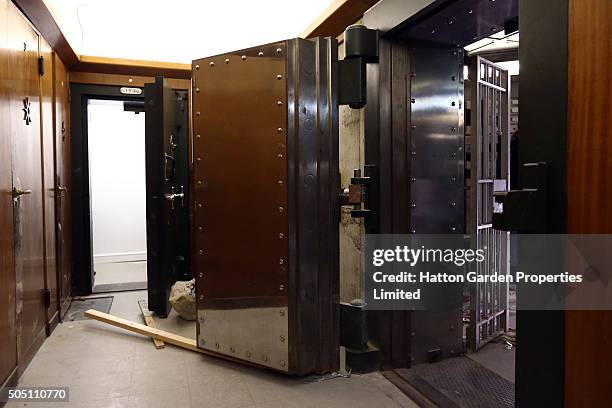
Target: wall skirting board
(120, 257)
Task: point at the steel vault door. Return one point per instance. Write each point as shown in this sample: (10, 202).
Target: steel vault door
(266, 205)
(167, 163)
(490, 150)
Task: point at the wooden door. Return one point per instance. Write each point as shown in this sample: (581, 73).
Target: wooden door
(63, 184)
(27, 184)
(167, 162)
(8, 339)
(48, 160)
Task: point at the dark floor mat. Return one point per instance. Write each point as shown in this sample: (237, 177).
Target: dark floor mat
(463, 381)
(80, 305)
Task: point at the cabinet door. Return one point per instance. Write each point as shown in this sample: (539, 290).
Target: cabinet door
(63, 184)
(49, 190)
(24, 111)
(8, 339)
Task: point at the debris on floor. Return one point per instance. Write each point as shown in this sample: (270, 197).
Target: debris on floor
(182, 299)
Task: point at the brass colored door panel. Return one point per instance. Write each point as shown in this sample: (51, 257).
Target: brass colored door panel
(27, 176)
(265, 200)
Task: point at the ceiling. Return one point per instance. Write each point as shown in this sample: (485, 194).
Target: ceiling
(179, 30)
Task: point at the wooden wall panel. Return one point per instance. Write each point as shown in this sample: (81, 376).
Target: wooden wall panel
(8, 340)
(24, 111)
(48, 168)
(63, 179)
(123, 80)
(588, 347)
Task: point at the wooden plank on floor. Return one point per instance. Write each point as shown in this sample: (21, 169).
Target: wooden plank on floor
(162, 335)
(148, 318)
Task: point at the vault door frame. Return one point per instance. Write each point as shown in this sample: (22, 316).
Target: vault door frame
(490, 173)
(80, 94)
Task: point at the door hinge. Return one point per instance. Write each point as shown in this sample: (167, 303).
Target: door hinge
(41, 65)
(47, 294)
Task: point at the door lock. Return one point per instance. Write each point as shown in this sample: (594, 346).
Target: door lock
(173, 196)
(17, 192)
(357, 194)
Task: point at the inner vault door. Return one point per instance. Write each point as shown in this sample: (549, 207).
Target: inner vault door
(266, 205)
(490, 149)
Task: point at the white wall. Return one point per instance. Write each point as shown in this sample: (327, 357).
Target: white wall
(117, 182)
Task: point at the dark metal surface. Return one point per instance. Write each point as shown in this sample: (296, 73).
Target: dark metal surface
(386, 154)
(456, 23)
(167, 163)
(414, 134)
(266, 183)
(544, 137)
(314, 181)
(460, 382)
(436, 200)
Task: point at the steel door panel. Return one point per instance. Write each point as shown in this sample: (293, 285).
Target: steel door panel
(265, 152)
(167, 163)
(437, 178)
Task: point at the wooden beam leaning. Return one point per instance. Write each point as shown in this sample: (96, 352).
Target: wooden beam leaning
(152, 332)
(148, 318)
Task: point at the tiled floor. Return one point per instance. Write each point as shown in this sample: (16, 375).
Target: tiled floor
(109, 367)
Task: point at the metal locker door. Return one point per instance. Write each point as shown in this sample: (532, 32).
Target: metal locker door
(266, 205)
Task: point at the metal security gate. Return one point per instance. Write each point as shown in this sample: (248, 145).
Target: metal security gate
(490, 147)
(266, 205)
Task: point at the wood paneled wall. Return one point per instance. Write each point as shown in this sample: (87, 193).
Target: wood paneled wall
(28, 251)
(588, 347)
(8, 339)
(96, 78)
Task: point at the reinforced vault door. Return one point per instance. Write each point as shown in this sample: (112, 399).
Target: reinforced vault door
(490, 147)
(167, 162)
(266, 201)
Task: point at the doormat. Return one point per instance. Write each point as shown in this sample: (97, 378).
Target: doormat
(80, 305)
(454, 382)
